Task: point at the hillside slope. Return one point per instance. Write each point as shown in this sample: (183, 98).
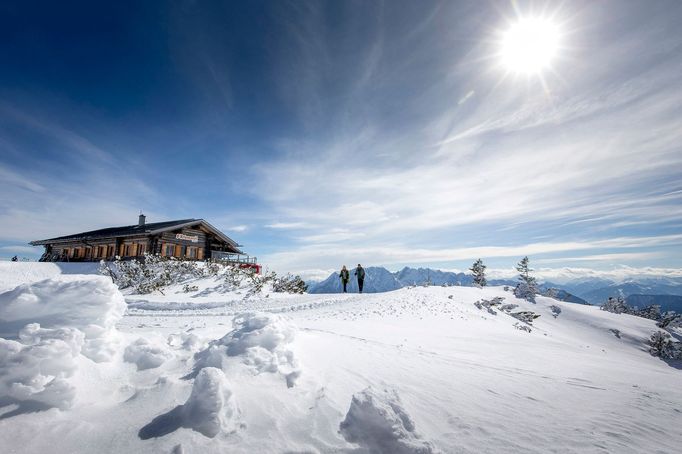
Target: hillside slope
(413, 370)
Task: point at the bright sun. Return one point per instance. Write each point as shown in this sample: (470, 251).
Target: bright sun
(529, 45)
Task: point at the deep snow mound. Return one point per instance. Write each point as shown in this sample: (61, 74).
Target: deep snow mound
(262, 341)
(17, 273)
(378, 422)
(209, 410)
(34, 372)
(90, 304)
(146, 354)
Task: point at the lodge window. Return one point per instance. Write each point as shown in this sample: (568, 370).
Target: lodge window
(140, 249)
(192, 252)
(75, 253)
(170, 250)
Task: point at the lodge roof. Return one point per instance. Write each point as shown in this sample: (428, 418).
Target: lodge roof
(151, 228)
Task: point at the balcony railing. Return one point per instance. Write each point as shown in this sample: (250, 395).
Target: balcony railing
(231, 257)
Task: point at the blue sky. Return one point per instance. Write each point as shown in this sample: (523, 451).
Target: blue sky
(323, 133)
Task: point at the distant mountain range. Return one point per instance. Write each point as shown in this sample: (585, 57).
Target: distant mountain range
(664, 291)
(667, 302)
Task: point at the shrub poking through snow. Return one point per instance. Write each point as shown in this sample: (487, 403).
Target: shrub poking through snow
(190, 288)
(261, 341)
(671, 321)
(525, 316)
(556, 310)
(508, 307)
(289, 284)
(652, 312)
(617, 306)
(663, 346)
(377, 421)
(155, 273)
(489, 304)
(522, 327)
(551, 293)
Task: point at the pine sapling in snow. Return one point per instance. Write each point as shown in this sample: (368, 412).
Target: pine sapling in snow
(527, 288)
(664, 347)
(478, 271)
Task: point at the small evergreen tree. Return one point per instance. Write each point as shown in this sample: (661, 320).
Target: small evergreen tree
(478, 270)
(528, 287)
(617, 306)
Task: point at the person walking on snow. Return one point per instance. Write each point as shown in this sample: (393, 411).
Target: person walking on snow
(360, 273)
(345, 277)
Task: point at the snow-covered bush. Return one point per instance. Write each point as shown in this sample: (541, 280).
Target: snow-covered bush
(617, 306)
(508, 307)
(670, 321)
(525, 292)
(152, 273)
(662, 345)
(378, 422)
(556, 310)
(289, 284)
(551, 293)
(489, 304)
(525, 316)
(522, 327)
(652, 312)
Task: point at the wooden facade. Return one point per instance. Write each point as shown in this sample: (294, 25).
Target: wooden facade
(193, 239)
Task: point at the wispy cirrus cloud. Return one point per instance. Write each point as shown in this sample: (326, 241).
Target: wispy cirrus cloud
(597, 156)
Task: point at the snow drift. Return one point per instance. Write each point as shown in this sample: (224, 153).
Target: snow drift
(35, 370)
(90, 304)
(377, 421)
(45, 327)
(209, 410)
(261, 341)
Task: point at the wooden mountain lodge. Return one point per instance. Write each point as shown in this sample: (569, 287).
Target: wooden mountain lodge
(193, 239)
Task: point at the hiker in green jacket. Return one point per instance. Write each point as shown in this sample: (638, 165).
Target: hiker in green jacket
(360, 273)
(345, 277)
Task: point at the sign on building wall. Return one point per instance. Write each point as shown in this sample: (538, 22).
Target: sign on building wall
(192, 238)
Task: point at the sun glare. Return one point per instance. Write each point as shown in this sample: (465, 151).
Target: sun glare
(529, 46)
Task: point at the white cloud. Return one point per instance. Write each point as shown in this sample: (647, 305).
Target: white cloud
(565, 274)
(320, 255)
(19, 249)
(288, 225)
(238, 228)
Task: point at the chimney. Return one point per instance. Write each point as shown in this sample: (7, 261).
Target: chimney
(141, 220)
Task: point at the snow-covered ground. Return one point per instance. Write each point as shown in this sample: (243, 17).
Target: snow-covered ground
(417, 370)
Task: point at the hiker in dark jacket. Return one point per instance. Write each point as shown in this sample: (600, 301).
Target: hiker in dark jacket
(345, 277)
(360, 273)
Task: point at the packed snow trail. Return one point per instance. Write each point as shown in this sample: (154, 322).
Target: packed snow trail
(414, 370)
